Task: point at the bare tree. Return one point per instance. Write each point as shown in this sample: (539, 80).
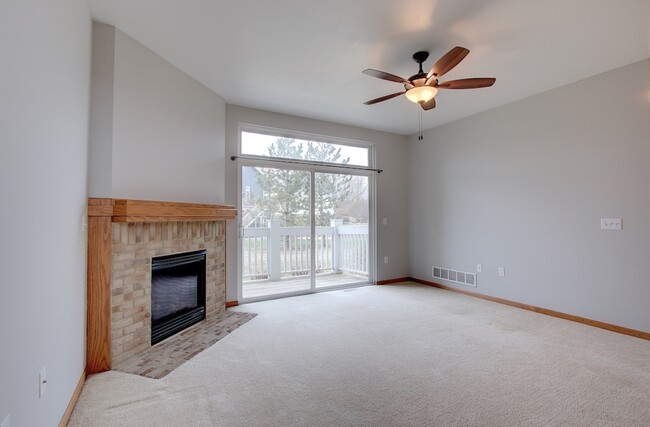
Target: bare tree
(285, 193)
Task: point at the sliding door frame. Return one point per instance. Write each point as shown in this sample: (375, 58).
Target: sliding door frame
(313, 169)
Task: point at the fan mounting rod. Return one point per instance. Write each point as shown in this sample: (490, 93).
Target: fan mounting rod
(419, 57)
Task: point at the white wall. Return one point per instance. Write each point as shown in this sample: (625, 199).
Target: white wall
(44, 95)
(390, 150)
(100, 167)
(167, 132)
(524, 186)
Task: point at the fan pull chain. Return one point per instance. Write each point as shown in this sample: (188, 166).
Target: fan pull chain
(420, 137)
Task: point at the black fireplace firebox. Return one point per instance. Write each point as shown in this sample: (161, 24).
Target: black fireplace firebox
(177, 293)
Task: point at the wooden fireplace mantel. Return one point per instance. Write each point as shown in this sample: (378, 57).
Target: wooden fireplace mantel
(101, 213)
(126, 210)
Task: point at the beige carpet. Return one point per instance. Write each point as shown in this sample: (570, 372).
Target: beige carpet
(392, 355)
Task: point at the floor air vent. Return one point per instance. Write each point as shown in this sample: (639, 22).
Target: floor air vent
(454, 276)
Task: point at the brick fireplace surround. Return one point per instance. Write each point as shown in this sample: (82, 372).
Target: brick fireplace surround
(123, 237)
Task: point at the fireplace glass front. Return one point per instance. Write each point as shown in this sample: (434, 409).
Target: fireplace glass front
(177, 293)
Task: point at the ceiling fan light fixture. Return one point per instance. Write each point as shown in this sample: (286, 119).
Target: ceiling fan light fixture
(421, 94)
(421, 88)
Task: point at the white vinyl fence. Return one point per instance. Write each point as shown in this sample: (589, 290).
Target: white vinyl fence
(274, 252)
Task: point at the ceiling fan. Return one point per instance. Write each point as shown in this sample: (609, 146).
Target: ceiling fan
(422, 87)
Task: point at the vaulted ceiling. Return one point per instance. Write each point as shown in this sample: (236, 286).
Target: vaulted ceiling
(305, 57)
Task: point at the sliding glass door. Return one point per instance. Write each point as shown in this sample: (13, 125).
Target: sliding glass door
(305, 215)
(302, 230)
(341, 212)
(275, 231)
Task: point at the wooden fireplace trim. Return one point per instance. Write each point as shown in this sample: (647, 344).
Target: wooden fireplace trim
(126, 210)
(101, 213)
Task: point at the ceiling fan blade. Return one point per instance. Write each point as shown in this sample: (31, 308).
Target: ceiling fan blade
(448, 61)
(384, 76)
(429, 104)
(384, 98)
(467, 83)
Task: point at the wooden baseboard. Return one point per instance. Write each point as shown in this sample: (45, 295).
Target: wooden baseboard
(389, 281)
(232, 304)
(571, 317)
(73, 401)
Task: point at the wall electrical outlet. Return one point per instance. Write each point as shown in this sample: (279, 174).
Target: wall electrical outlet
(502, 271)
(385, 221)
(479, 268)
(6, 422)
(42, 382)
(611, 223)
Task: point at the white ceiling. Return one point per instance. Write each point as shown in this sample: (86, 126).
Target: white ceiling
(305, 57)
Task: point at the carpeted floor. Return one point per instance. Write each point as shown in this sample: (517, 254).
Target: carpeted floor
(392, 355)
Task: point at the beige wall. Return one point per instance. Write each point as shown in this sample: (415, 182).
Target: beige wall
(524, 186)
(390, 150)
(44, 92)
(156, 133)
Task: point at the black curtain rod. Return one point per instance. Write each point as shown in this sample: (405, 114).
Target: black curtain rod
(304, 162)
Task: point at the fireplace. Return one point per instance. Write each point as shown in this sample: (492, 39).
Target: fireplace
(124, 236)
(177, 293)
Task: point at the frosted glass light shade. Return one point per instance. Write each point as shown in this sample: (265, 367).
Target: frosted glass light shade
(421, 94)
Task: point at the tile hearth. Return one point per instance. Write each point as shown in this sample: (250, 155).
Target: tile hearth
(162, 358)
